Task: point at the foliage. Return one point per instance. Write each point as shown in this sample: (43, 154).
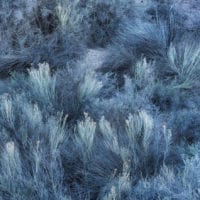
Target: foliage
(73, 127)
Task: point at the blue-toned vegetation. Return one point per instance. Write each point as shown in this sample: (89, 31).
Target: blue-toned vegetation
(99, 100)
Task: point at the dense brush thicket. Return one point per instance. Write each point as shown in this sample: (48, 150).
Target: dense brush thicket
(99, 100)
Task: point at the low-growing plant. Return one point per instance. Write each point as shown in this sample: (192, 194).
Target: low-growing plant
(120, 122)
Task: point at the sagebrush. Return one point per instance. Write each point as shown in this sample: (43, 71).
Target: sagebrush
(99, 100)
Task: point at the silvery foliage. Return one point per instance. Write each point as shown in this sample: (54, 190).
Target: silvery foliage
(75, 128)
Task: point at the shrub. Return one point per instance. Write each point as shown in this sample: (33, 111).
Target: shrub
(120, 122)
(185, 63)
(42, 84)
(103, 21)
